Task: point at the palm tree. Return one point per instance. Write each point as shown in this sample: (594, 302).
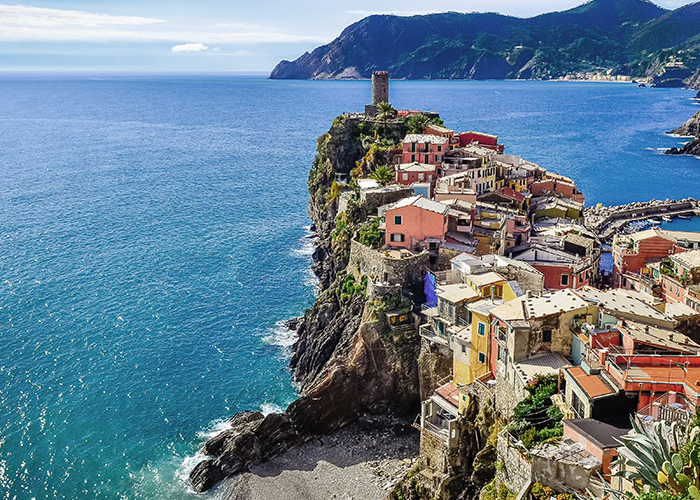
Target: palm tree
(383, 174)
(386, 111)
(416, 123)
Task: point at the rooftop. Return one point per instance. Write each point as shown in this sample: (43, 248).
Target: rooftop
(479, 280)
(595, 386)
(542, 364)
(689, 260)
(511, 310)
(484, 306)
(416, 167)
(622, 301)
(449, 393)
(662, 338)
(420, 202)
(430, 138)
(456, 293)
(567, 451)
(679, 310)
(601, 434)
(553, 303)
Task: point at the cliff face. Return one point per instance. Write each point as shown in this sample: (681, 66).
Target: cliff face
(629, 37)
(344, 361)
(689, 128)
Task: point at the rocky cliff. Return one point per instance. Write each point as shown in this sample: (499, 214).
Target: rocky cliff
(691, 128)
(344, 361)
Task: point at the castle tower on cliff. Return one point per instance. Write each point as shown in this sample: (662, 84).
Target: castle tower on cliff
(380, 87)
(380, 92)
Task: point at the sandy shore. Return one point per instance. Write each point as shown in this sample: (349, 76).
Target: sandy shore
(361, 462)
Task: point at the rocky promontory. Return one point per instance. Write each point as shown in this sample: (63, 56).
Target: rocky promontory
(344, 362)
(691, 128)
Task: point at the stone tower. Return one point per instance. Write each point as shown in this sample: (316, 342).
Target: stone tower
(380, 87)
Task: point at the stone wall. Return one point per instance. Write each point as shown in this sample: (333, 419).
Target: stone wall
(506, 399)
(516, 471)
(433, 452)
(374, 198)
(365, 261)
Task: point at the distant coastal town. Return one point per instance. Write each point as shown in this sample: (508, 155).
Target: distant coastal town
(549, 342)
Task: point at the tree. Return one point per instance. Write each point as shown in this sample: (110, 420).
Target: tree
(416, 123)
(386, 111)
(383, 174)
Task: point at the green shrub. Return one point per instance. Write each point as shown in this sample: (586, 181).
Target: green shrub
(370, 234)
(529, 437)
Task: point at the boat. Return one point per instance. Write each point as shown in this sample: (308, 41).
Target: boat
(686, 217)
(667, 218)
(654, 222)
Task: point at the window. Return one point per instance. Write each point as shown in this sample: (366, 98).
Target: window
(546, 335)
(413, 147)
(427, 159)
(432, 245)
(502, 355)
(464, 349)
(564, 280)
(397, 237)
(482, 358)
(421, 176)
(482, 329)
(398, 219)
(405, 176)
(439, 148)
(413, 158)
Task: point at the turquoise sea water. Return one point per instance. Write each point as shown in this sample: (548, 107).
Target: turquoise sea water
(153, 235)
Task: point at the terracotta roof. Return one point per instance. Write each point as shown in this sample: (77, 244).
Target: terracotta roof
(449, 393)
(595, 386)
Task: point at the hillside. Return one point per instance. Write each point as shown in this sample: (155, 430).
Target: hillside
(616, 37)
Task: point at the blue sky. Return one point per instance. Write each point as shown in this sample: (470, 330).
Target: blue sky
(201, 36)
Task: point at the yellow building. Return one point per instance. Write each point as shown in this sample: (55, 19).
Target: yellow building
(471, 343)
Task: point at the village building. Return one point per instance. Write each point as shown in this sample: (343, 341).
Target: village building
(410, 173)
(485, 140)
(424, 148)
(416, 223)
(563, 266)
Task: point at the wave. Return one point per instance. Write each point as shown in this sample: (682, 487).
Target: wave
(281, 336)
(266, 408)
(307, 243)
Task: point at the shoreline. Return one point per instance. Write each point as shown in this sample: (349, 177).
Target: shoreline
(361, 461)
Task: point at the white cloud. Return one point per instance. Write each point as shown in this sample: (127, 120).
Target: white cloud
(21, 15)
(24, 23)
(189, 47)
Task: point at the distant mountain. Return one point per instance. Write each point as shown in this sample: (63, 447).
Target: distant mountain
(609, 37)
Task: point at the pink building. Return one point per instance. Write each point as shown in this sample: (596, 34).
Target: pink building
(408, 173)
(416, 224)
(485, 140)
(424, 148)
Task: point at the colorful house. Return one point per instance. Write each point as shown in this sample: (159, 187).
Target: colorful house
(415, 223)
(561, 269)
(425, 148)
(410, 173)
(486, 140)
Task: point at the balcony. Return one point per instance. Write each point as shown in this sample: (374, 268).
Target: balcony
(426, 331)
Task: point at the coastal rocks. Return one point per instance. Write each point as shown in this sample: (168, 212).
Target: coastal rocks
(692, 148)
(689, 128)
(344, 371)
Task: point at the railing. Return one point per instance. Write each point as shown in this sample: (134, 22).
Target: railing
(670, 407)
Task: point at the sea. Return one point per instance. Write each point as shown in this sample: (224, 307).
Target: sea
(154, 238)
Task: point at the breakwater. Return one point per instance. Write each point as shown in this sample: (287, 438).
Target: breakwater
(606, 221)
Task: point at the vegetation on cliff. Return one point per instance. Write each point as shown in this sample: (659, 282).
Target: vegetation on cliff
(630, 37)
